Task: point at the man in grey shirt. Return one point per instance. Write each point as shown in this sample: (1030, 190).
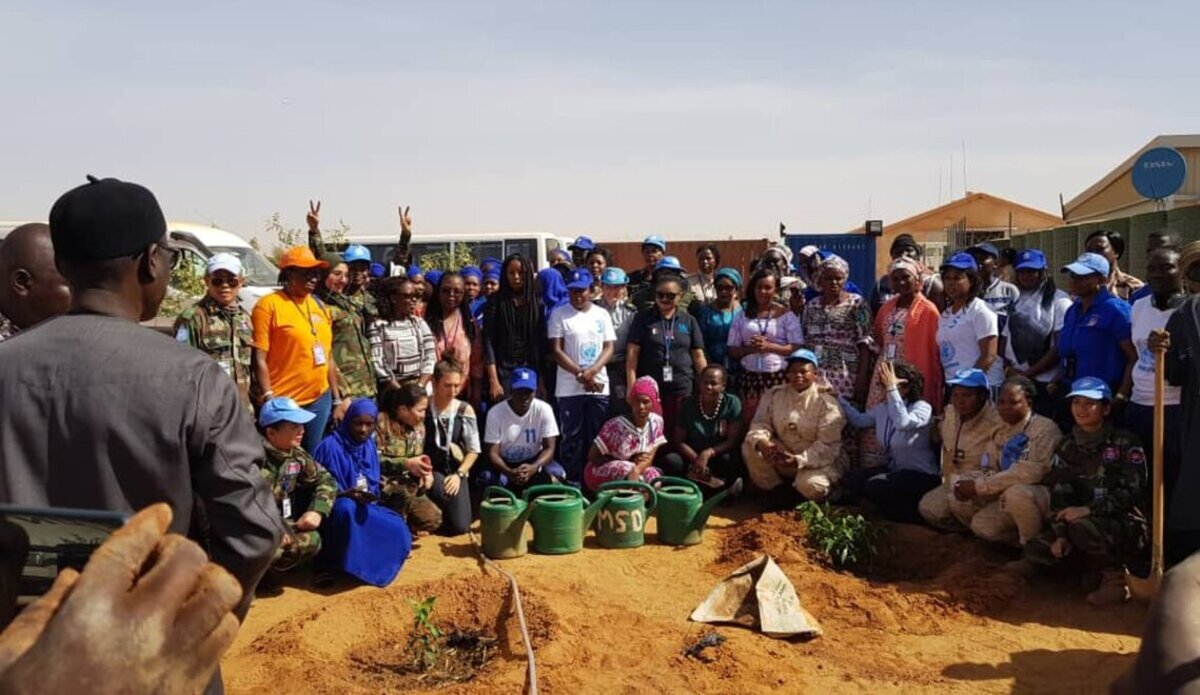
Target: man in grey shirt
(101, 413)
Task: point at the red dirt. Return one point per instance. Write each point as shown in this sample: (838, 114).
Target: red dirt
(616, 621)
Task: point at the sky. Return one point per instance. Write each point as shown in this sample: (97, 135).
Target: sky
(615, 119)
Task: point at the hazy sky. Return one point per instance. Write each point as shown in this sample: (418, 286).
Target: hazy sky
(614, 118)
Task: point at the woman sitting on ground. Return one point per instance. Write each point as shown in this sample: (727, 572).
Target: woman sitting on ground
(627, 444)
(902, 427)
(361, 537)
(710, 432)
(452, 444)
(407, 473)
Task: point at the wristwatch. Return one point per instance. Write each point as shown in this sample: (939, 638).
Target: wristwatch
(460, 474)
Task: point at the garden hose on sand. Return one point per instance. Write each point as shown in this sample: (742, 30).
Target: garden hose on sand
(531, 671)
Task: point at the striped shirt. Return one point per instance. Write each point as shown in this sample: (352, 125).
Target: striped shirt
(403, 349)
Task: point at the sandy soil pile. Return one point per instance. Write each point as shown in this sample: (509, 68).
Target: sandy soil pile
(933, 615)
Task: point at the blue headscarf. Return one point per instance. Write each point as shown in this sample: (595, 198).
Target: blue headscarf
(472, 271)
(434, 278)
(345, 458)
(554, 290)
(414, 271)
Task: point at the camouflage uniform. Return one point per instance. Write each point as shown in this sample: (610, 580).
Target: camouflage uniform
(7, 328)
(350, 315)
(224, 334)
(295, 479)
(1105, 472)
(401, 492)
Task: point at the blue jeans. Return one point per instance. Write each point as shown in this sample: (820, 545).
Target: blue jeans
(314, 431)
(580, 418)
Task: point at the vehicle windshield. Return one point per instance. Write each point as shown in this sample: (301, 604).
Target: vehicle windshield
(257, 269)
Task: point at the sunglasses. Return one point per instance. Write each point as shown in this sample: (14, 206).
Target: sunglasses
(667, 295)
(224, 282)
(725, 287)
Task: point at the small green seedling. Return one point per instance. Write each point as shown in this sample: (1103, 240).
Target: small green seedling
(845, 539)
(425, 642)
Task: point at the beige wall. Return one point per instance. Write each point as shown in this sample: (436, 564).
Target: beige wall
(1119, 199)
(981, 211)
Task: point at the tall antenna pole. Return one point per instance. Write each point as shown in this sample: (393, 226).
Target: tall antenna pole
(939, 199)
(964, 146)
(951, 176)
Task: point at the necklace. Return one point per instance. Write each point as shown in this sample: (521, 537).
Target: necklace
(706, 416)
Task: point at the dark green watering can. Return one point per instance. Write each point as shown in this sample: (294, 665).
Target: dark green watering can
(621, 523)
(502, 522)
(558, 517)
(682, 511)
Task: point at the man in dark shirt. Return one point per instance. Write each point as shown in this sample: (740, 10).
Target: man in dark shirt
(101, 413)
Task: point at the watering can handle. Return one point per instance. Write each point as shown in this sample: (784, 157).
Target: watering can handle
(668, 480)
(633, 485)
(536, 490)
(497, 491)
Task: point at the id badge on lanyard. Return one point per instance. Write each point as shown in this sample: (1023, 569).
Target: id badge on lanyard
(318, 356)
(668, 338)
(287, 507)
(890, 352)
(361, 482)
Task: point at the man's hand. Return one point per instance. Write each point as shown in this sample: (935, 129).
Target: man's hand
(451, 485)
(1060, 547)
(141, 582)
(405, 220)
(524, 472)
(418, 466)
(313, 218)
(339, 411)
(964, 490)
(1072, 514)
(1159, 340)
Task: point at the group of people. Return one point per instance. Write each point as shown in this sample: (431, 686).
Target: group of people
(349, 411)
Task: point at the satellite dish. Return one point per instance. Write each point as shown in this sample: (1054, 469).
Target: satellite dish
(1159, 172)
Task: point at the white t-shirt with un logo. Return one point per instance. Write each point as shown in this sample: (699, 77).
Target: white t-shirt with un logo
(520, 438)
(1147, 318)
(583, 334)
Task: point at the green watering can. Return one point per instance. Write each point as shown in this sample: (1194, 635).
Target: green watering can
(682, 511)
(502, 522)
(558, 517)
(621, 523)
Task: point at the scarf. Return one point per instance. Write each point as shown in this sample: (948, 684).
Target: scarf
(647, 386)
(347, 459)
(554, 290)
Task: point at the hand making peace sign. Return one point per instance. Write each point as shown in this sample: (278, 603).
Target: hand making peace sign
(314, 216)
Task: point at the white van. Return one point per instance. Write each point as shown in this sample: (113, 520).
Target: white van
(198, 242)
(536, 246)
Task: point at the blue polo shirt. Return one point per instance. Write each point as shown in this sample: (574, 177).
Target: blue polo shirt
(1092, 339)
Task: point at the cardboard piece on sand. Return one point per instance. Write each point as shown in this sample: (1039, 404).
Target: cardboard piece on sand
(759, 595)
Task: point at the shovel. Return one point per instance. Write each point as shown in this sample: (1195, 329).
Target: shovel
(1145, 589)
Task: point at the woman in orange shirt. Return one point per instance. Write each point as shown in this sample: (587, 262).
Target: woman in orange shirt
(293, 341)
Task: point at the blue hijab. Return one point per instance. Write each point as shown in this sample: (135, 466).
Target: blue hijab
(345, 458)
(554, 290)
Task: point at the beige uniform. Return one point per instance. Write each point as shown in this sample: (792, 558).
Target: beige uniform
(808, 425)
(965, 449)
(1014, 502)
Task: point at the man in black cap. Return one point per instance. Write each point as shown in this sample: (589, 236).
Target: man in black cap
(31, 289)
(101, 413)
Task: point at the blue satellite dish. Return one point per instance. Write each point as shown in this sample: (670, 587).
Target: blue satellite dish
(1159, 172)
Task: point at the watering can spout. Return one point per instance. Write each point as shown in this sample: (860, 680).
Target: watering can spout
(701, 518)
(589, 514)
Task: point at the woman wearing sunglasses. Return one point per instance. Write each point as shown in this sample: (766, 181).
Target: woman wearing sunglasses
(217, 325)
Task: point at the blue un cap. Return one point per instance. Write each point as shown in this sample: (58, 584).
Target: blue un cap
(582, 243)
(279, 410)
(804, 355)
(356, 252)
(669, 263)
(1030, 259)
(971, 378)
(579, 280)
(614, 276)
(961, 261)
(524, 378)
(655, 241)
(1088, 264)
(1091, 387)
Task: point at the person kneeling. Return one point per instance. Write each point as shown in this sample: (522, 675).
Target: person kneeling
(361, 537)
(902, 426)
(796, 434)
(407, 473)
(967, 429)
(303, 489)
(1094, 497)
(626, 445)
(520, 436)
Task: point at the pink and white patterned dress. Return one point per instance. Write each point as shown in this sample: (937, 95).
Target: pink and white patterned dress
(623, 440)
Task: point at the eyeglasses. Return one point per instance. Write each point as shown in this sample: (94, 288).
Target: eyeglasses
(224, 282)
(406, 296)
(667, 295)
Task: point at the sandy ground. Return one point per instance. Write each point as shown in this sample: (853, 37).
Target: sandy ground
(935, 616)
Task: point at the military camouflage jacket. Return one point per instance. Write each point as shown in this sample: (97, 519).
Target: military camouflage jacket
(294, 476)
(1105, 472)
(222, 333)
(395, 447)
(350, 316)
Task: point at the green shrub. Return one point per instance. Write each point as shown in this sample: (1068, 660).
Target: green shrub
(844, 539)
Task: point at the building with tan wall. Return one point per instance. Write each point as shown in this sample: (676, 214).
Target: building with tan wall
(1114, 196)
(971, 219)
